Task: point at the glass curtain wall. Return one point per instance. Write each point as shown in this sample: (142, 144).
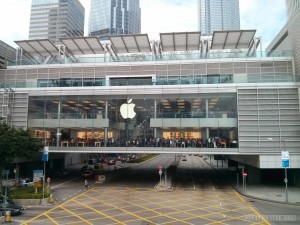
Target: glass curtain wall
(166, 120)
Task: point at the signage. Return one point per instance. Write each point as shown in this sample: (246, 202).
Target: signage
(160, 172)
(285, 157)
(45, 154)
(37, 175)
(127, 110)
(245, 174)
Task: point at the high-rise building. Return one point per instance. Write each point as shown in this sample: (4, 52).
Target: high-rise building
(54, 19)
(217, 15)
(111, 17)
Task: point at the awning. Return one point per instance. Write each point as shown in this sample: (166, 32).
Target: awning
(42, 47)
(134, 43)
(83, 45)
(181, 41)
(232, 39)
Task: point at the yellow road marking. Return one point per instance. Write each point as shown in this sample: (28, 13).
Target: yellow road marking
(143, 208)
(50, 218)
(254, 210)
(115, 207)
(50, 210)
(79, 217)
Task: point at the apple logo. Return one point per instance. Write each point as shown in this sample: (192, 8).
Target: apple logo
(127, 110)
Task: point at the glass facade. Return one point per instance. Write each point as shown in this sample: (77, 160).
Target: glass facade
(111, 17)
(172, 120)
(54, 19)
(217, 15)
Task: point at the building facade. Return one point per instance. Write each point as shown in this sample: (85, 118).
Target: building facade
(111, 17)
(7, 53)
(54, 19)
(217, 15)
(171, 96)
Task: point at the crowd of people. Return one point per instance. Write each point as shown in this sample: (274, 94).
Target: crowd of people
(212, 142)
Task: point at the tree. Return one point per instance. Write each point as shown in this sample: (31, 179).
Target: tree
(16, 142)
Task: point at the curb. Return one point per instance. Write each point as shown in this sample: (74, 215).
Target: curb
(251, 196)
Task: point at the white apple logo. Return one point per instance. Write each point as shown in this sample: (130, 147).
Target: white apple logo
(127, 110)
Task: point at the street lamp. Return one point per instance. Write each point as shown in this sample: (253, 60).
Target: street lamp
(285, 164)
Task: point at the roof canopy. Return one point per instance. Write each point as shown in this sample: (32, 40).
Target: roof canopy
(182, 41)
(134, 43)
(83, 45)
(38, 47)
(232, 39)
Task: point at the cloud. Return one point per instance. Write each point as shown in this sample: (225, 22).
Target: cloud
(14, 17)
(266, 16)
(161, 16)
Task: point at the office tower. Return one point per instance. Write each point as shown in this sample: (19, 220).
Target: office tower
(111, 17)
(216, 15)
(54, 19)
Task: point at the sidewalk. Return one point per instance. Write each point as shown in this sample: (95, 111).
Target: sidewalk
(272, 193)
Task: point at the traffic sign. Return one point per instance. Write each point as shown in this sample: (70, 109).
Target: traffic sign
(160, 172)
(245, 174)
(285, 156)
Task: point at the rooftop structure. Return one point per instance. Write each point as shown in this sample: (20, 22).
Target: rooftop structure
(137, 47)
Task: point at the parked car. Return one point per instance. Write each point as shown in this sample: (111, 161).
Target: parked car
(13, 208)
(24, 182)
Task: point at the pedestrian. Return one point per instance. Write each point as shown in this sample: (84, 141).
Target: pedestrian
(86, 184)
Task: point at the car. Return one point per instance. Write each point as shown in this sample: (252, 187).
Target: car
(87, 173)
(13, 208)
(110, 162)
(26, 182)
(61, 173)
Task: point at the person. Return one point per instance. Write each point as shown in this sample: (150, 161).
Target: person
(86, 184)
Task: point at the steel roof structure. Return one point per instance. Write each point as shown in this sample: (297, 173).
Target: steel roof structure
(42, 47)
(83, 45)
(181, 41)
(232, 39)
(133, 43)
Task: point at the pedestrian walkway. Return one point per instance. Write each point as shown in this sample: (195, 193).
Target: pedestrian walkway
(268, 192)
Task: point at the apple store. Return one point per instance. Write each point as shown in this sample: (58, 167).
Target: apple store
(134, 119)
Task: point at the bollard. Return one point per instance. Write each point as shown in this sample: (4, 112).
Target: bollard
(51, 199)
(7, 216)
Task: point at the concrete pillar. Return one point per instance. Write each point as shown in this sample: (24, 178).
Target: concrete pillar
(254, 175)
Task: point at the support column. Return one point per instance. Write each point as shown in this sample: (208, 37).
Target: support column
(155, 116)
(106, 129)
(58, 133)
(206, 107)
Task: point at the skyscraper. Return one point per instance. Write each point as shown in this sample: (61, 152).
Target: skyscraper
(111, 17)
(53, 19)
(216, 15)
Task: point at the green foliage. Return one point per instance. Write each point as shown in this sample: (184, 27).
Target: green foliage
(16, 142)
(28, 193)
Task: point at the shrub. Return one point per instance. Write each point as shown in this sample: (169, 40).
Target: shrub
(28, 193)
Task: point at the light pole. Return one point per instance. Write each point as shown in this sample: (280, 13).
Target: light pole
(285, 164)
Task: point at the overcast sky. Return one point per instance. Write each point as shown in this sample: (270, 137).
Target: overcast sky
(158, 16)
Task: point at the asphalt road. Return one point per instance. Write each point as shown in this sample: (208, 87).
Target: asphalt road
(200, 195)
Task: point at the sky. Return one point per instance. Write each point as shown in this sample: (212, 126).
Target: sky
(158, 16)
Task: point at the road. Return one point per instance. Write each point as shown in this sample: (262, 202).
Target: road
(200, 195)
